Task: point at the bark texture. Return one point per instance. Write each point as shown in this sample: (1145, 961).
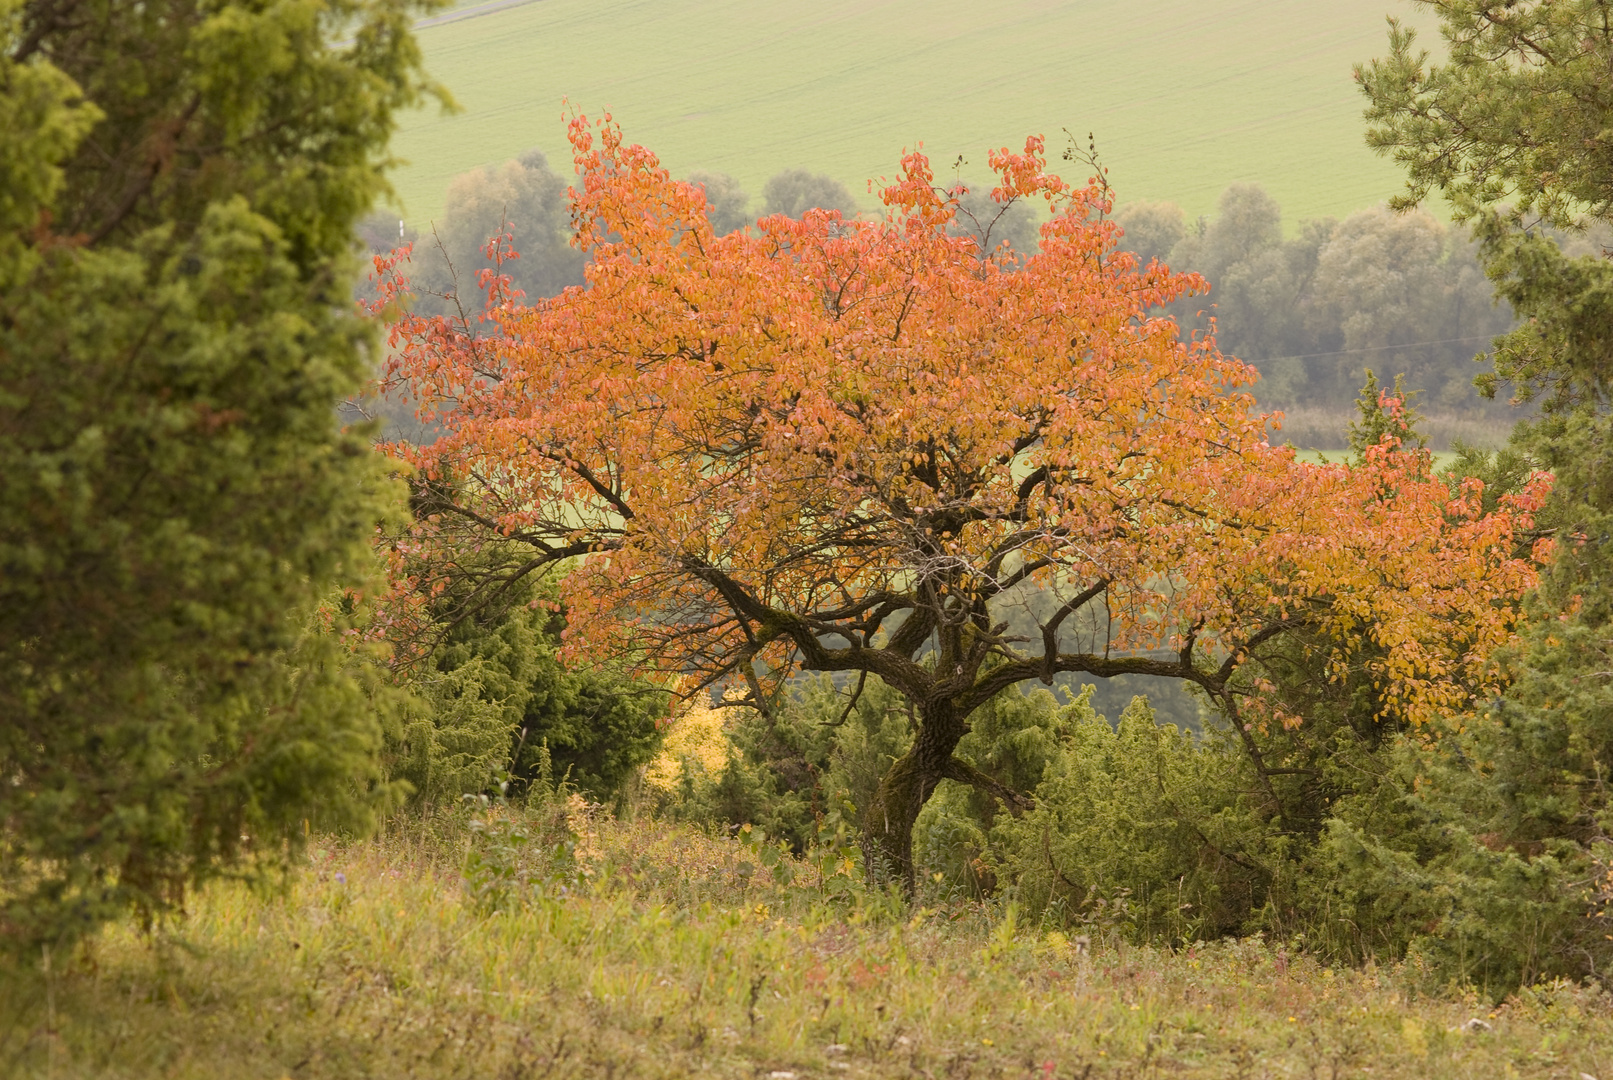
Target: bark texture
(907, 786)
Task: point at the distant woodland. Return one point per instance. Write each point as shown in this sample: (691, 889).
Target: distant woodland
(1313, 304)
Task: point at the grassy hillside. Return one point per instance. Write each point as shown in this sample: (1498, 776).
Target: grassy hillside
(668, 954)
(1184, 97)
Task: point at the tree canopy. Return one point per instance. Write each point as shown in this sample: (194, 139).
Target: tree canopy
(178, 189)
(1516, 116)
(523, 196)
(793, 192)
(729, 205)
(1515, 129)
(863, 447)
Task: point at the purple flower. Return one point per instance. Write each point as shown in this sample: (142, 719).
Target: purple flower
(341, 879)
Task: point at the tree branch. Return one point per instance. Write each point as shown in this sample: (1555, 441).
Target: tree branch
(862, 678)
(964, 773)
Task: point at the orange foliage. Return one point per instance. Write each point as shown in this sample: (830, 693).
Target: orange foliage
(854, 444)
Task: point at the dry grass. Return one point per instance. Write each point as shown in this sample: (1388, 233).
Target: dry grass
(654, 952)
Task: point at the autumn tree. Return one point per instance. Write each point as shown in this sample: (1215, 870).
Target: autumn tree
(179, 185)
(860, 447)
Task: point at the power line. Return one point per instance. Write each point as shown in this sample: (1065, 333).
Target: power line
(1373, 348)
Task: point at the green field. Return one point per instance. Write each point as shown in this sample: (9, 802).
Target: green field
(1184, 97)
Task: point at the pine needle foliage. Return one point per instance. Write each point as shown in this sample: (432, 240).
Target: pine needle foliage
(181, 181)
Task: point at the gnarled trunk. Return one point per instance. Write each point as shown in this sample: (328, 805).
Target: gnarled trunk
(907, 786)
(889, 818)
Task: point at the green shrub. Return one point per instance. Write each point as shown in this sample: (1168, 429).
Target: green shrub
(1142, 812)
(493, 699)
(1363, 840)
(1436, 873)
(806, 767)
(1014, 739)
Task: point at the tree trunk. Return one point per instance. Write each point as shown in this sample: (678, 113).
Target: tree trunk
(907, 786)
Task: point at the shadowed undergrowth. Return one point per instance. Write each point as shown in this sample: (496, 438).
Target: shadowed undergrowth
(554, 943)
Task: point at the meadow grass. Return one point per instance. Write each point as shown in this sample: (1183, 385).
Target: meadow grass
(1183, 97)
(660, 952)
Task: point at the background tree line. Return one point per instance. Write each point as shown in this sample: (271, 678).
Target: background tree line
(1381, 290)
(1312, 307)
(528, 198)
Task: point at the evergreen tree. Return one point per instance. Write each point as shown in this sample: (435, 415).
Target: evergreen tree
(1456, 127)
(179, 185)
(1516, 131)
(490, 702)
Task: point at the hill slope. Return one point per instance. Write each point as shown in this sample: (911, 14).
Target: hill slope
(1184, 97)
